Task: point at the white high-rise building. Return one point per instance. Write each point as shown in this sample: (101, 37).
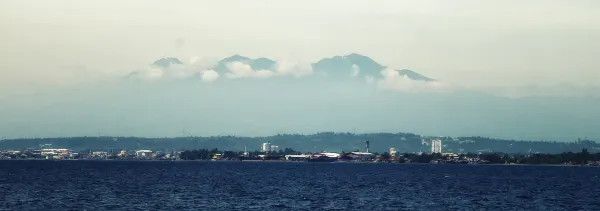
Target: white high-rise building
(436, 146)
(266, 147)
(393, 152)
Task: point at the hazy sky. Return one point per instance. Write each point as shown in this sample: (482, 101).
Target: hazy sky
(51, 50)
(467, 42)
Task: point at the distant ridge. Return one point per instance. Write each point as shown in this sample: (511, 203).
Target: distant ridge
(255, 64)
(166, 62)
(351, 65)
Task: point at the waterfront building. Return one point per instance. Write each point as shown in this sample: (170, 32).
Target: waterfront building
(266, 147)
(100, 154)
(361, 155)
(143, 153)
(246, 154)
(297, 157)
(54, 152)
(436, 146)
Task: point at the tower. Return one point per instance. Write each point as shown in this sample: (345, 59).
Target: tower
(367, 146)
(436, 146)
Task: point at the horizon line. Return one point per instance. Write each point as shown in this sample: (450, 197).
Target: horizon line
(284, 134)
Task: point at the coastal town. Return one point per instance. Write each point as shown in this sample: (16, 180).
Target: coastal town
(271, 152)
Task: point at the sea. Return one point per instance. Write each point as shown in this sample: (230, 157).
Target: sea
(195, 185)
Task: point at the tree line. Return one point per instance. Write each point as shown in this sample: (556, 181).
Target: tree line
(579, 158)
(325, 141)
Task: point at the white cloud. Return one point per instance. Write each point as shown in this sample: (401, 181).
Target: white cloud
(297, 69)
(193, 59)
(392, 80)
(209, 75)
(241, 70)
(203, 63)
(151, 74)
(281, 68)
(197, 67)
(355, 70)
(180, 71)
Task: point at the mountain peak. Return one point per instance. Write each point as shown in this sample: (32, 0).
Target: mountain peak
(263, 64)
(351, 64)
(256, 64)
(166, 62)
(355, 55)
(234, 58)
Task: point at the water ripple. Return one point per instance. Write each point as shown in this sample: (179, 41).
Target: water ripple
(98, 185)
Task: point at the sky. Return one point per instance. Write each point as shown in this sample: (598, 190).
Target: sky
(501, 43)
(59, 58)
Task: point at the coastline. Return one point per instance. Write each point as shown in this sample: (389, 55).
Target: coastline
(285, 161)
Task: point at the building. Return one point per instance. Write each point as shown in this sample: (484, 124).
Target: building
(450, 155)
(143, 153)
(436, 146)
(246, 154)
(361, 156)
(100, 154)
(54, 151)
(328, 154)
(266, 147)
(393, 152)
(297, 157)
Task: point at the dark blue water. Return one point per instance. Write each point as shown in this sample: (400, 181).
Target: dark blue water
(105, 185)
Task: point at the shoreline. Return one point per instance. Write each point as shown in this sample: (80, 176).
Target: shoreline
(284, 161)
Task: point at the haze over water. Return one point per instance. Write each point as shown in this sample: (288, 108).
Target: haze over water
(505, 69)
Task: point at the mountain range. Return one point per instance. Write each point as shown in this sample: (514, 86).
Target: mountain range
(324, 99)
(351, 65)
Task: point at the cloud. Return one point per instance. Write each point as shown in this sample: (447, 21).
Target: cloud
(204, 63)
(242, 70)
(209, 75)
(297, 69)
(355, 70)
(150, 74)
(200, 68)
(181, 71)
(193, 59)
(281, 68)
(392, 80)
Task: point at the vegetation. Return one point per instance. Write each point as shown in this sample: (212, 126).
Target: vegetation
(326, 141)
(580, 158)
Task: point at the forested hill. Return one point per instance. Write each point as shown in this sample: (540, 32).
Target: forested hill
(325, 141)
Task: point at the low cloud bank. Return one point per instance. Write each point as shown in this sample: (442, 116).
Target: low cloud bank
(208, 71)
(281, 68)
(203, 69)
(389, 79)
